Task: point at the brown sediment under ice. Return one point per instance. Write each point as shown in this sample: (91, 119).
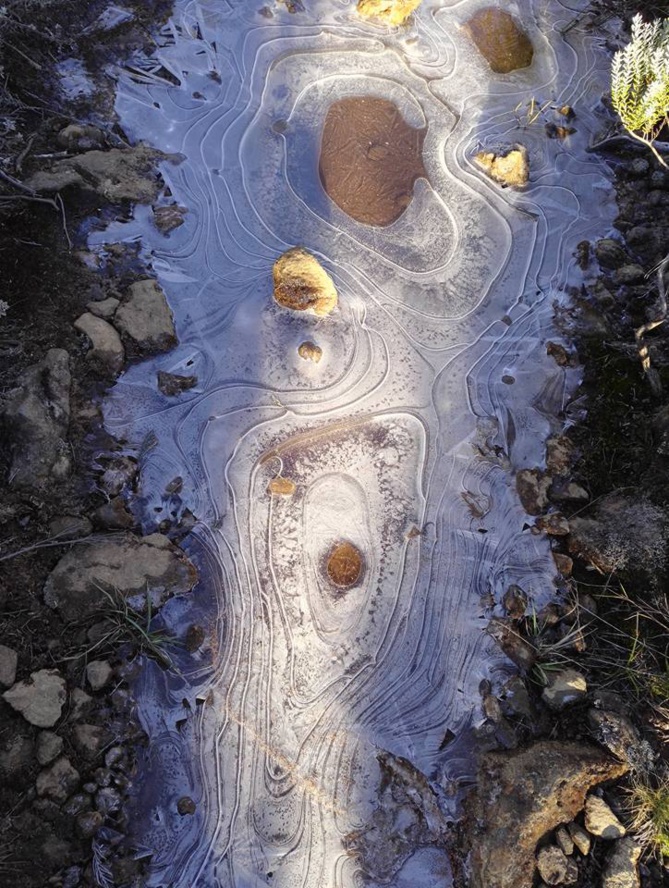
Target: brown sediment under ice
(502, 43)
(370, 159)
(344, 564)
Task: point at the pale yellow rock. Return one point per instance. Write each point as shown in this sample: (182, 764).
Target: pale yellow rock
(281, 487)
(393, 12)
(302, 284)
(510, 169)
(310, 352)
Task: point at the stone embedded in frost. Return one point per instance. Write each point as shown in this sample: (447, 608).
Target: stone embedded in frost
(309, 351)
(500, 40)
(393, 12)
(171, 384)
(532, 486)
(125, 565)
(301, 283)
(39, 699)
(281, 487)
(600, 819)
(511, 168)
(145, 320)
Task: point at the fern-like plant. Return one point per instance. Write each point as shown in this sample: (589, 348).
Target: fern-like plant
(640, 81)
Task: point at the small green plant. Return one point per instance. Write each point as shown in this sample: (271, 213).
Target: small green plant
(125, 625)
(640, 81)
(648, 804)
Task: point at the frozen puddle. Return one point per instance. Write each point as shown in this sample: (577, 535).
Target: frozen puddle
(433, 387)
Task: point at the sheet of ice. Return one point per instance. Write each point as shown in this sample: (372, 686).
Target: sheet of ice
(433, 388)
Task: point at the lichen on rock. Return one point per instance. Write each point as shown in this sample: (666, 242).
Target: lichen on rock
(302, 284)
(510, 168)
(393, 12)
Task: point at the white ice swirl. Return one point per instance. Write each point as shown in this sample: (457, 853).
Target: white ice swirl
(434, 386)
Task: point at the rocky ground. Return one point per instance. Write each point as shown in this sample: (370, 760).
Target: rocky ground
(570, 745)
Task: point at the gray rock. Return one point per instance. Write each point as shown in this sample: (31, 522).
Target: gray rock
(581, 838)
(115, 175)
(70, 527)
(145, 320)
(620, 870)
(105, 308)
(49, 747)
(555, 868)
(80, 137)
(107, 350)
(90, 740)
(37, 415)
(532, 486)
(621, 531)
(40, 699)
(520, 796)
(610, 254)
(564, 687)
(8, 662)
(564, 840)
(618, 734)
(99, 673)
(600, 819)
(59, 781)
(126, 565)
(80, 703)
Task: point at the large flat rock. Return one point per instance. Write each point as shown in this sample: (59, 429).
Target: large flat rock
(126, 565)
(523, 794)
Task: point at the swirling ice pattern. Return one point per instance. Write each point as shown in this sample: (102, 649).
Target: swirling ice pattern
(410, 421)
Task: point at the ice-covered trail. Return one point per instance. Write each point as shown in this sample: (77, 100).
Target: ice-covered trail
(433, 388)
